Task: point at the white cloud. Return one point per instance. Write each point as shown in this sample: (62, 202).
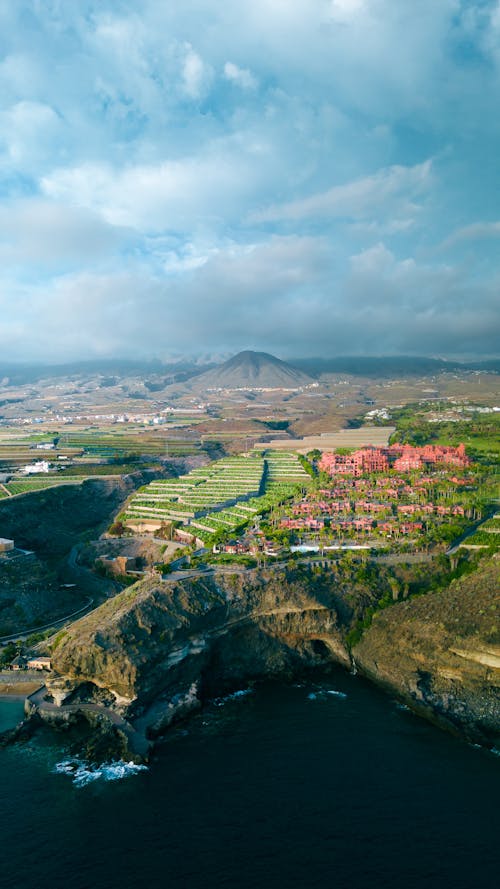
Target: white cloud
(240, 76)
(196, 75)
(205, 189)
(476, 231)
(29, 132)
(345, 10)
(156, 156)
(359, 199)
(36, 233)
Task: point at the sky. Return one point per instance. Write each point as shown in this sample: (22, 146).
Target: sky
(304, 177)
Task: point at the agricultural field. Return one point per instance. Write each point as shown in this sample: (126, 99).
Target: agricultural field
(127, 444)
(29, 485)
(80, 449)
(479, 432)
(487, 535)
(222, 497)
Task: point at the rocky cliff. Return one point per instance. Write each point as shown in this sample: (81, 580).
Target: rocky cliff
(160, 648)
(440, 653)
(213, 630)
(50, 522)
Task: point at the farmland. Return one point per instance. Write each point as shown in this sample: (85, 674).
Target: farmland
(224, 496)
(81, 447)
(29, 485)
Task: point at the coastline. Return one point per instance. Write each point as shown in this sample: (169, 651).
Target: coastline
(6, 698)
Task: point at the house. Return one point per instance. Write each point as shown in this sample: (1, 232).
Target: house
(118, 565)
(39, 663)
(37, 467)
(6, 545)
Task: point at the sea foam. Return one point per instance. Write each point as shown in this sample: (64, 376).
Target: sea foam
(234, 696)
(83, 773)
(321, 694)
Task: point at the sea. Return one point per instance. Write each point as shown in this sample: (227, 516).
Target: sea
(325, 782)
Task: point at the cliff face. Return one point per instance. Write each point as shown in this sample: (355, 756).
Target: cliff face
(156, 649)
(213, 630)
(49, 521)
(440, 653)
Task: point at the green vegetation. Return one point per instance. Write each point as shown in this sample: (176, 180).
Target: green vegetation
(58, 638)
(406, 582)
(480, 433)
(221, 499)
(490, 539)
(27, 486)
(128, 444)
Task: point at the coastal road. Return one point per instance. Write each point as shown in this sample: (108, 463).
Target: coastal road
(137, 741)
(54, 624)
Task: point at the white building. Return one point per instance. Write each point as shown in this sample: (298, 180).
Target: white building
(6, 545)
(37, 467)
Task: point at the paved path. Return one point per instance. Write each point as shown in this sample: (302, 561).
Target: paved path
(137, 741)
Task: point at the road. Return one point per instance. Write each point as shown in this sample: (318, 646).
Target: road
(54, 624)
(136, 740)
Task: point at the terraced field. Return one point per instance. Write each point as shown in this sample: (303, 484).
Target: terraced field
(223, 496)
(123, 444)
(27, 486)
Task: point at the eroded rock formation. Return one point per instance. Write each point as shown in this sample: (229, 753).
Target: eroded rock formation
(440, 653)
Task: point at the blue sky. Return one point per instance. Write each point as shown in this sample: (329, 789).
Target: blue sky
(308, 177)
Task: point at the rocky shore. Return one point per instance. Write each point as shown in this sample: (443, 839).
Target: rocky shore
(157, 651)
(440, 654)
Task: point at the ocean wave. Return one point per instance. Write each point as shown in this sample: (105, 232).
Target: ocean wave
(322, 693)
(234, 696)
(83, 773)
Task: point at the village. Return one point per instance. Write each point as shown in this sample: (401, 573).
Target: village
(400, 497)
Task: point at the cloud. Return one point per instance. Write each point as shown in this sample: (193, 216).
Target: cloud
(476, 231)
(196, 75)
(360, 199)
(240, 76)
(174, 195)
(283, 171)
(28, 131)
(36, 233)
(266, 295)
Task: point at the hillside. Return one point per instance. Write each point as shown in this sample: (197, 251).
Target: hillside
(157, 643)
(49, 523)
(440, 653)
(253, 370)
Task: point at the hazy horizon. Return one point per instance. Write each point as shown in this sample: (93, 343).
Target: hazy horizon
(305, 178)
(205, 360)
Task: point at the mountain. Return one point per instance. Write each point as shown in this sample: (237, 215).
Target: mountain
(390, 365)
(253, 370)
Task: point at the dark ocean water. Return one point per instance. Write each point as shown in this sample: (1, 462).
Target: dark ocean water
(287, 786)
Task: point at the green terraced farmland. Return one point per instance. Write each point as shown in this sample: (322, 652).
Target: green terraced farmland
(29, 485)
(223, 496)
(122, 444)
(208, 489)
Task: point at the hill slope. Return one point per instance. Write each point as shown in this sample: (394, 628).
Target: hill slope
(253, 370)
(440, 653)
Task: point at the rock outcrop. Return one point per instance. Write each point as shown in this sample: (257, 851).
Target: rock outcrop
(158, 640)
(440, 654)
(157, 650)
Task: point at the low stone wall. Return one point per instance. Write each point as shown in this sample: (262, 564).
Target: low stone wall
(19, 683)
